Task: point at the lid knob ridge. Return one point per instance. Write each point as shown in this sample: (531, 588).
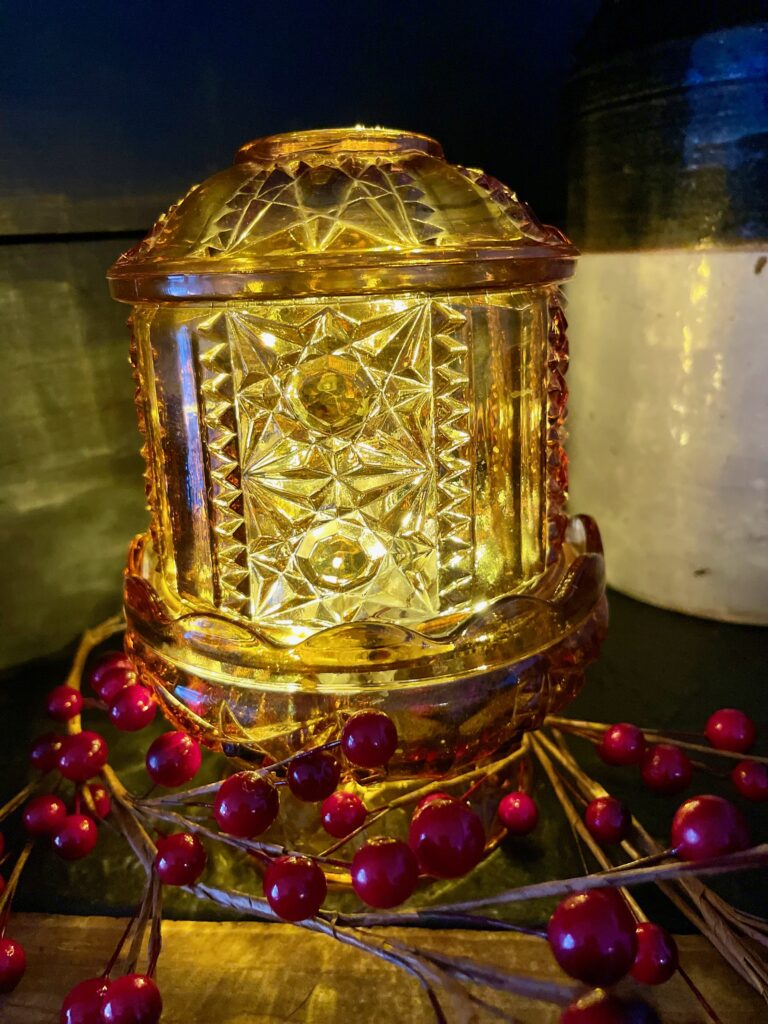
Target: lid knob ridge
(358, 140)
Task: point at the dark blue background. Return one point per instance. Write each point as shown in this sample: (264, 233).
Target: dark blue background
(105, 100)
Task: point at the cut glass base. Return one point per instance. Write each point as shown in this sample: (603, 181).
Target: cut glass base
(457, 698)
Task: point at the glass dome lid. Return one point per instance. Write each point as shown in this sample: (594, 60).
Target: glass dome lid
(341, 211)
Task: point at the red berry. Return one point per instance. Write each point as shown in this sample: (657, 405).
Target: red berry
(295, 887)
(82, 756)
(430, 799)
(45, 750)
(384, 872)
(3, 884)
(666, 769)
(656, 959)
(369, 739)
(313, 776)
(246, 804)
(82, 1004)
(730, 729)
(102, 804)
(608, 819)
(592, 936)
(341, 813)
(13, 964)
(132, 999)
(518, 813)
(64, 702)
(44, 814)
(76, 837)
(598, 1007)
(132, 708)
(173, 759)
(111, 673)
(751, 780)
(180, 860)
(447, 837)
(114, 681)
(708, 826)
(622, 744)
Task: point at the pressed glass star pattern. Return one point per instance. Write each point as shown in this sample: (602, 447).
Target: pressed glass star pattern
(335, 424)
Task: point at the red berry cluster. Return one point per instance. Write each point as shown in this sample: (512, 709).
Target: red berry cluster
(78, 757)
(131, 705)
(594, 937)
(247, 803)
(446, 838)
(131, 999)
(73, 835)
(666, 768)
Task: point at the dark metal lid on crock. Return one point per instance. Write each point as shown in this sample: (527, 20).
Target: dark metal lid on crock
(668, 124)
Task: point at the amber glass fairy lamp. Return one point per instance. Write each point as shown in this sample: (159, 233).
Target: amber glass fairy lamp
(350, 359)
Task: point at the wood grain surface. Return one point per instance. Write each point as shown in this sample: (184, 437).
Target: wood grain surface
(230, 973)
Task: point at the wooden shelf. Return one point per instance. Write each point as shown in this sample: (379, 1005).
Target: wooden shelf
(230, 973)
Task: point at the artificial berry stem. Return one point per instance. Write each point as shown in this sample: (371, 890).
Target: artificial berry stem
(249, 845)
(147, 912)
(687, 893)
(746, 860)
(540, 746)
(703, 1002)
(467, 795)
(120, 944)
(594, 731)
(92, 638)
(20, 798)
(646, 861)
(481, 773)
(460, 968)
(8, 893)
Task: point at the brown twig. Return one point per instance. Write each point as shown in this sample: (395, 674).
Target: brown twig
(576, 821)
(249, 845)
(20, 798)
(522, 985)
(684, 892)
(594, 731)
(92, 638)
(425, 918)
(415, 795)
(145, 915)
(745, 860)
(8, 893)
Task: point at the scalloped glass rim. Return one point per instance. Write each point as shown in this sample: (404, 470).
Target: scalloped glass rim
(372, 652)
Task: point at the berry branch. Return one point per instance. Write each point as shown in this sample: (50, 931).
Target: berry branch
(607, 933)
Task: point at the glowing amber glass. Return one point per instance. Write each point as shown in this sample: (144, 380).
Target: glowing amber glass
(350, 360)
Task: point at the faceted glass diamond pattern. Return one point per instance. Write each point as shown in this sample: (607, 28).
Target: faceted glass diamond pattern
(335, 418)
(321, 209)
